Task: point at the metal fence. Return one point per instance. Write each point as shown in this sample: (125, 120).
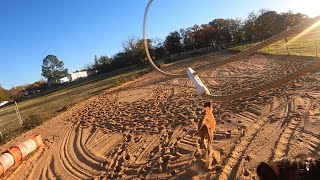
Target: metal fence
(10, 119)
(186, 54)
(298, 48)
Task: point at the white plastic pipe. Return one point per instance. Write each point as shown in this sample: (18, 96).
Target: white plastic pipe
(6, 160)
(200, 87)
(27, 147)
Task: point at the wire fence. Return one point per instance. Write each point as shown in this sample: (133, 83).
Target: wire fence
(10, 120)
(298, 48)
(309, 47)
(187, 54)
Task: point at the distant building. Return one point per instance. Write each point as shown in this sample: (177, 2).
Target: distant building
(64, 80)
(77, 75)
(74, 76)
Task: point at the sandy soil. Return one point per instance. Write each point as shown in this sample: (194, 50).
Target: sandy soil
(145, 129)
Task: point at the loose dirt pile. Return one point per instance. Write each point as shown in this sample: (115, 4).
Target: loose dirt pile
(146, 128)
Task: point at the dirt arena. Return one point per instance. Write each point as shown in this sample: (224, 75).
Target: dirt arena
(145, 129)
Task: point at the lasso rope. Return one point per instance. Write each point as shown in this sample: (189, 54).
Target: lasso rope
(146, 46)
(292, 31)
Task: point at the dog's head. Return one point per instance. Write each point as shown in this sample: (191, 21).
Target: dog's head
(208, 106)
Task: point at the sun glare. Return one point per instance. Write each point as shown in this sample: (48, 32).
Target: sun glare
(306, 31)
(309, 7)
(312, 27)
(317, 24)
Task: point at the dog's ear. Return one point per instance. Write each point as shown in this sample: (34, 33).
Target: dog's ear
(268, 171)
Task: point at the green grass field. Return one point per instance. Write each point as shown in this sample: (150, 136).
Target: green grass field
(307, 44)
(42, 107)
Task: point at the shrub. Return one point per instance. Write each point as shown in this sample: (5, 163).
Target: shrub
(32, 121)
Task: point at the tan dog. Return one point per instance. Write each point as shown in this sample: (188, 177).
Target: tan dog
(206, 131)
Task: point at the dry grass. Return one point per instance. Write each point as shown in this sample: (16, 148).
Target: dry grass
(307, 44)
(48, 104)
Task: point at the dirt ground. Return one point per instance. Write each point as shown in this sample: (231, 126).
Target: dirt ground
(146, 129)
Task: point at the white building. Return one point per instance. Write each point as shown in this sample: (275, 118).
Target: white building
(77, 75)
(74, 76)
(64, 80)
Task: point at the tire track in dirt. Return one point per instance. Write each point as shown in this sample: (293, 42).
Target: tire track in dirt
(296, 114)
(48, 170)
(274, 84)
(101, 146)
(72, 160)
(67, 159)
(307, 138)
(233, 160)
(287, 130)
(261, 146)
(86, 159)
(287, 126)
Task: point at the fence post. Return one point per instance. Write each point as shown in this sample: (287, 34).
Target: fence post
(287, 47)
(268, 50)
(70, 99)
(18, 113)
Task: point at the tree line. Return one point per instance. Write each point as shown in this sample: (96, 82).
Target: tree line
(4, 94)
(219, 33)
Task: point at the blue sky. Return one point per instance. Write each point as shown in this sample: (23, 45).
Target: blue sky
(76, 30)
